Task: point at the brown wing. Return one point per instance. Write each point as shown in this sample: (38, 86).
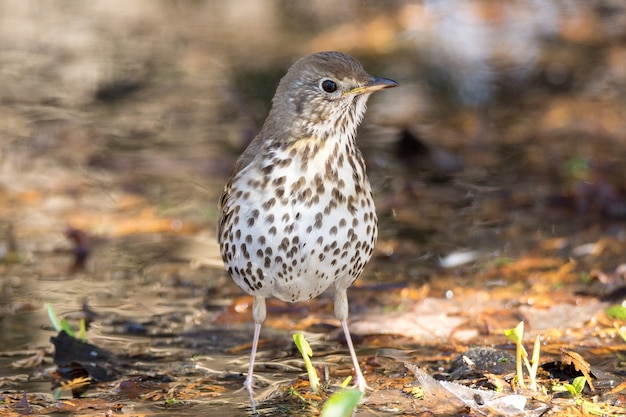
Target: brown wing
(243, 161)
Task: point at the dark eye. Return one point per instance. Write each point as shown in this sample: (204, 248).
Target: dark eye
(329, 86)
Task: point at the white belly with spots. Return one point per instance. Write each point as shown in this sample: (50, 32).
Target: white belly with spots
(293, 237)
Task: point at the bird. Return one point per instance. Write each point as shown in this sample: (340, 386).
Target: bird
(297, 213)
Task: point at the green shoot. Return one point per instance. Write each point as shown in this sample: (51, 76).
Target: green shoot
(306, 352)
(617, 312)
(82, 332)
(579, 384)
(575, 388)
(342, 403)
(516, 335)
(56, 323)
(296, 394)
(59, 325)
(346, 381)
(64, 325)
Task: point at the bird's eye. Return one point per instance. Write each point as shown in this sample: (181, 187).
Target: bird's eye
(329, 86)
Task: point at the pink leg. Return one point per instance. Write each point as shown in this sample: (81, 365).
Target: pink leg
(360, 380)
(248, 383)
(258, 313)
(341, 312)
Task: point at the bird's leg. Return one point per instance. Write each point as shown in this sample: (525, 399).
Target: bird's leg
(258, 313)
(341, 312)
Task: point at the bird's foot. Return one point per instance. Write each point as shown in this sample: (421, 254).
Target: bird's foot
(361, 384)
(249, 386)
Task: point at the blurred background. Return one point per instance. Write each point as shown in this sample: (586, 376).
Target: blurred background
(156, 99)
(120, 121)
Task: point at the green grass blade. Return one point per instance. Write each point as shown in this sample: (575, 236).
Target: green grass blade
(56, 323)
(342, 403)
(306, 352)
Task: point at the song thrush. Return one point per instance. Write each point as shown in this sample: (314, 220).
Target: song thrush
(297, 212)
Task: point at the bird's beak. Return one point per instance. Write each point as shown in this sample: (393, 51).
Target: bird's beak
(375, 84)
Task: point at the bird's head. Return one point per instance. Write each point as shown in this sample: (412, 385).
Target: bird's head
(324, 94)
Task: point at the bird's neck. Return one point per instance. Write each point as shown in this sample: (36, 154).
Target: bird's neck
(335, 159)
(318, 143)
(339, 124)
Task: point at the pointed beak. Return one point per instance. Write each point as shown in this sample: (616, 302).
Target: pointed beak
(375, 84)
(380, 83)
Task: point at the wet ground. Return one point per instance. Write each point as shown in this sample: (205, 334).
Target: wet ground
(497, 166)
